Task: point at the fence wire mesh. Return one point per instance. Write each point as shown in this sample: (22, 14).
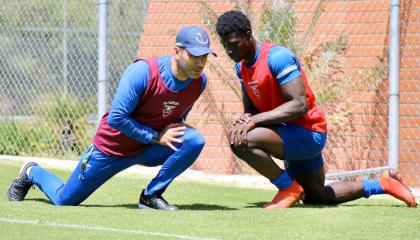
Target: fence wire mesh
(48, 88)
(48, 70)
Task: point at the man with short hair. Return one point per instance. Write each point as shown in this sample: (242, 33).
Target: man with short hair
(281, 119)
(143, 126)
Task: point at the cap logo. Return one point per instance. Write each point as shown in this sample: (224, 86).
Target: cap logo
(201, 39)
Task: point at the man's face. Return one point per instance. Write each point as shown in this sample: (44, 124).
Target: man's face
(236, 45)
(190, 65)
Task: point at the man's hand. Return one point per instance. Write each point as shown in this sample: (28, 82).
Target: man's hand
(238, 131)
(170, 134)
(244, 118)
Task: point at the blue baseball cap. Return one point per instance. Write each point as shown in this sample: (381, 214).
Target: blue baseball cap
(195, 40)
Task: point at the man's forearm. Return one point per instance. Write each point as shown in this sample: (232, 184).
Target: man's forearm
(133, 129)
(282, 114)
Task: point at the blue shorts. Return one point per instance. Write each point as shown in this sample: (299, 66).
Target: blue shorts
(302, 149)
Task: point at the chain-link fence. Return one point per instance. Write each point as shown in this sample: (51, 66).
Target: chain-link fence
(48, 70)
(48, 62)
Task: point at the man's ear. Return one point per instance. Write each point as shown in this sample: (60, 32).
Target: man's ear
(249, 34)
(177, 51)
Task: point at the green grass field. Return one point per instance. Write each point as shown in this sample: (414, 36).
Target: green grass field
(208, 211)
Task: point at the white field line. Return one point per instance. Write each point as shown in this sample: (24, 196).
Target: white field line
(97, 228)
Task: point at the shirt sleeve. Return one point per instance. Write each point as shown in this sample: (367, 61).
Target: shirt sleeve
(130, 90)
(283, 64)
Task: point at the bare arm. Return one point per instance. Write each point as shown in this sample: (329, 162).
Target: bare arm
(295, 106)
(248, 105)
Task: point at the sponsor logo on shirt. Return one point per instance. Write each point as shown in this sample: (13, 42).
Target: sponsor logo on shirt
(253, 85)
(168, 107)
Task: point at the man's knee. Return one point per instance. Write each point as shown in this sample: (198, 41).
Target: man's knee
(63, 199)
(244, 153)
(238, 151)
(194, 140)
(320, 196)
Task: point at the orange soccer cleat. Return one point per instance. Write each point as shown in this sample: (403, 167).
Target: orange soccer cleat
(392, 184)
(287, 197)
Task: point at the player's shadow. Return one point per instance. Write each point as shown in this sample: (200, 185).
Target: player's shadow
(297, 205)
(255, 205)
(301, 205)
(131, 206)
(38, 200)
(207, 207)
(128, 205)
(374, 205)
(195, 206)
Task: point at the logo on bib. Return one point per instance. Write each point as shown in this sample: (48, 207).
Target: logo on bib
(253, 85)
(168, 107)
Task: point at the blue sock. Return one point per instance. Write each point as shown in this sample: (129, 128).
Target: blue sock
(283, 182)
(372, 187)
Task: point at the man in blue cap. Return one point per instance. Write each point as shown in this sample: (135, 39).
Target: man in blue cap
(143, 126)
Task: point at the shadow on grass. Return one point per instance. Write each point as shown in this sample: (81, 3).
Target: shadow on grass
(39, 200)
(131, 206)
(255, 205)
(196, 206)
(298, 205)
(212, 207)
(373, 205)
(301, 205)
(200, 206)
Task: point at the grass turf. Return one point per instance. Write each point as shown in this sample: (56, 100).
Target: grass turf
(207, 211)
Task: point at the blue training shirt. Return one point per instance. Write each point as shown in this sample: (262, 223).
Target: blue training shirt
(130, 90)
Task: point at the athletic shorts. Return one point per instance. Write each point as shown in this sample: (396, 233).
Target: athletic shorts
(302, 149)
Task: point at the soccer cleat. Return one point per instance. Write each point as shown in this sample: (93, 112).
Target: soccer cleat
(287, 197)
(21, 185)
(392, 184)
(155, 202)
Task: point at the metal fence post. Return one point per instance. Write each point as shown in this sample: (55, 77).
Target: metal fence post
(102, 57)
(394, 68)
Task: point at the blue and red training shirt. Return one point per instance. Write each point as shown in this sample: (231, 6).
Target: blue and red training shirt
(275, 65)
(148, 98)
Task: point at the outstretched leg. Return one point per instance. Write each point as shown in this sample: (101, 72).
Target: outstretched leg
(344, 191)
(93, 170)
(21, 185)
(316, 192)
(392, 184)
